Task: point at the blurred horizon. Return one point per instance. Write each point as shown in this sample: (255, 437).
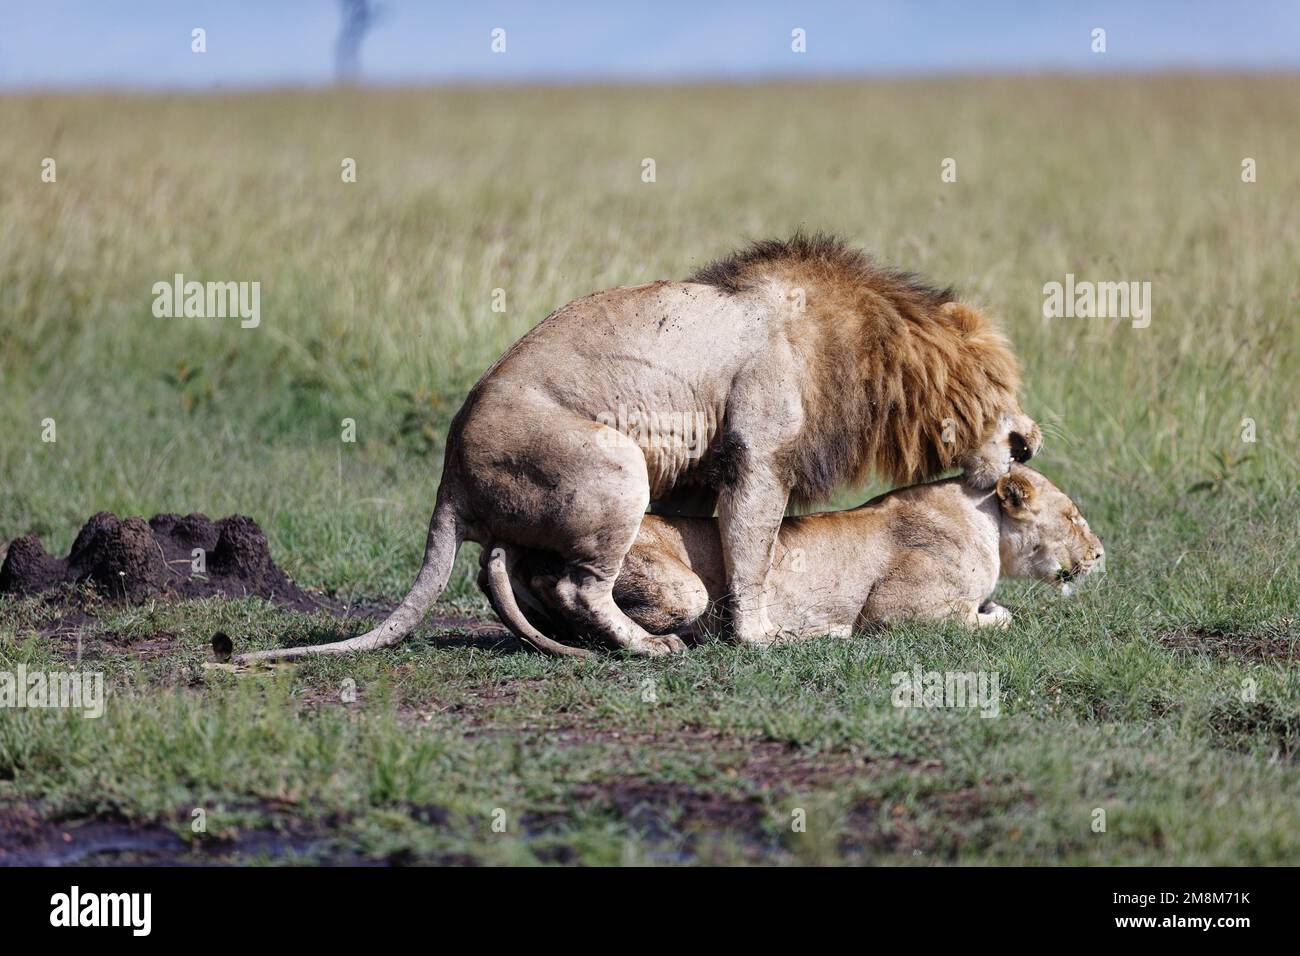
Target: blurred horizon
(146, 45)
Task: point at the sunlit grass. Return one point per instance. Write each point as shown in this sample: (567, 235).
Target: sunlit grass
(377, 307)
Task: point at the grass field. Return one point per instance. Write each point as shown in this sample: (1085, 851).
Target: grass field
(1165, 694)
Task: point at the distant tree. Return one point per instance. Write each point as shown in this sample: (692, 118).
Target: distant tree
(358, 17)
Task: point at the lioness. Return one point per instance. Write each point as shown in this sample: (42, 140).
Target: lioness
(931, 551)
(803, 365)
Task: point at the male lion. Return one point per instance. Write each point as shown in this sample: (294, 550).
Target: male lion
(805, 367)
(928, 552)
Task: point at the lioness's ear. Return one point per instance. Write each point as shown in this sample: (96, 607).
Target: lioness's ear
(1014, 491)
(963, 317)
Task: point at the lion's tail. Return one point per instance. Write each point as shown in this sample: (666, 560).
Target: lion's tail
(502, 597)
(445, 536)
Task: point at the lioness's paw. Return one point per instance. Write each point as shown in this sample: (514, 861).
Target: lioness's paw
(994, 615)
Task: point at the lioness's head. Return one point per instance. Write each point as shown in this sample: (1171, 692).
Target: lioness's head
(1043, 535)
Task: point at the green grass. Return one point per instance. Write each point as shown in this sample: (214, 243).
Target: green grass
(376, 306)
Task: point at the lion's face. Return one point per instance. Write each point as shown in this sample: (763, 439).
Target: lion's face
(1044, 537)
(1016, 438)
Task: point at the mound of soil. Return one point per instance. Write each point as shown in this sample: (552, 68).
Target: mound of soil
(129, 559)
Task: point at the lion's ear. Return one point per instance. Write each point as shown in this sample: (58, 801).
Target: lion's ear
(1014, 492)
(963, 317)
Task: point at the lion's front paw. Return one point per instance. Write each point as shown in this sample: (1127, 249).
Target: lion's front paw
(658, 645)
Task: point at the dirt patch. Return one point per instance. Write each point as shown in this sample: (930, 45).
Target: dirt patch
(115, 560)
(677, 816)
(940, 828)
(130, 559)
(1281, 644)
(773, 766)
(770, 765)
(785, 769)
(743, 799)
(1239, 726)
(660, 809)
(26, 839)
(70, 636)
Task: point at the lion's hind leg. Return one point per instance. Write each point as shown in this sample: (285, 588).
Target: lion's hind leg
(587, 598)
(580, 494)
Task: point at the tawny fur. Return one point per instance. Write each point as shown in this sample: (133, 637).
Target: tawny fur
(932, 551)
(805, 366)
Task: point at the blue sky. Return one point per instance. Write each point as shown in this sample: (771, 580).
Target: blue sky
(146, 43)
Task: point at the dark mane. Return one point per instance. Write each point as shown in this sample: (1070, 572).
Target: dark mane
(897, 377)
(740, 270)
